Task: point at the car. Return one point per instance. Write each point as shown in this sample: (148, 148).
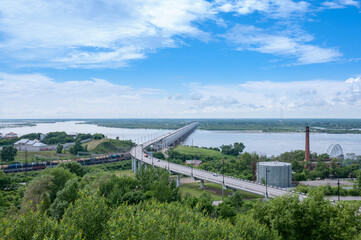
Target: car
(158, 160)
(215, 174)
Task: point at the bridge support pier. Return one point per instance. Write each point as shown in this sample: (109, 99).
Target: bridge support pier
(139, 164)
(135, 166)
(178, 180)
(146, 166)
(202, 184)
(234, 192)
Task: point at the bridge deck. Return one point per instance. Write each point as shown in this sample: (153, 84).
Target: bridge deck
(229, 182)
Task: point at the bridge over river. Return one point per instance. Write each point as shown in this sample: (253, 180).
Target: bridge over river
(139, 158)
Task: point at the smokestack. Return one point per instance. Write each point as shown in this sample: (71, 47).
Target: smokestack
(307, 144)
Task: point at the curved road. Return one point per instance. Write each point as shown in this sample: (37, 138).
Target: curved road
(229, 182)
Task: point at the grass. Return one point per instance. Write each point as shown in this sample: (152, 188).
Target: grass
(46, 155)
(198, 151)
(128, 173)
(214, 189)
(93, 143)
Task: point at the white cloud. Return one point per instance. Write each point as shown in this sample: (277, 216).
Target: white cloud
(257, 39)
(340, 4)
(38, 96)
(273, 8)
(83, 33)
(317, 98)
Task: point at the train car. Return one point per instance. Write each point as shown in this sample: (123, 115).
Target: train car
(18, 167)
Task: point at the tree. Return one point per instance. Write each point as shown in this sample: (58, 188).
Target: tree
(89, 214)
(4, 180)
(312, 218)
(235, 149)
(59, 148)
(77, 147)
(98, 136)
(35, 190)
(8, 153)
(158, 155)
(64, 198)
(73, 167)
(359, 179)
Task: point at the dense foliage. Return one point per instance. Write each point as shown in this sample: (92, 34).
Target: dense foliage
(71, 202)
(77, 147)
(8, 153)
(10, 142)
(57, 137)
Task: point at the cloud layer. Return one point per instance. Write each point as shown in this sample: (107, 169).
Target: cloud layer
(81, 33)
(256, 39)
(37, 96)
(90, 34)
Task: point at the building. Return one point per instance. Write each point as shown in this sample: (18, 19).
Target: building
(30, 145)
(11, 135)
(278, 174)
(195, 163)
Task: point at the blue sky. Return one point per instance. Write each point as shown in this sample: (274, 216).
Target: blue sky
(180, 59)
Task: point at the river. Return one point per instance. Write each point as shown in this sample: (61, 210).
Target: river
(262, 143)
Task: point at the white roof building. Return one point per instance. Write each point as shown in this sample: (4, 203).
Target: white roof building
(30, 145)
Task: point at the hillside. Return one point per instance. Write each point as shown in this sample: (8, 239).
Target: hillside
(109, 146)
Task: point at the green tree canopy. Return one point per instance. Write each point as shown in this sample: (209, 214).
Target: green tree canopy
(8, 153)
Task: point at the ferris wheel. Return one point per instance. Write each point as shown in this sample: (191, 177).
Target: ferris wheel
(335, 151)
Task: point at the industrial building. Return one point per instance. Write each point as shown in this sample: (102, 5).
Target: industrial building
(278, 174)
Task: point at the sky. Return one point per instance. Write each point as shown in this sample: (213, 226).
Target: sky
(180, 59)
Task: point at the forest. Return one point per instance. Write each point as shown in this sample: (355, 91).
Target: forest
(265, 125)
(74, 202)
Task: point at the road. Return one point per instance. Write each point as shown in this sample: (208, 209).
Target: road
(229, 182)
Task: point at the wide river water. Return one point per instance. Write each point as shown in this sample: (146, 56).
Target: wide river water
(262, 143)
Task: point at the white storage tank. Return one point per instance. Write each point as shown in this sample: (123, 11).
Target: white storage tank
(279, 174)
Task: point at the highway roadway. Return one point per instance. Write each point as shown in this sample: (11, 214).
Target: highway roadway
(228, 182)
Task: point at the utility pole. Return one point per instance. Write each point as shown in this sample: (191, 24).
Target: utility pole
(338, 189)
(26, 159)
(266, 182)
(223, 179)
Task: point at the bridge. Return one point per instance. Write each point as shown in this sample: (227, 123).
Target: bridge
(140, 157)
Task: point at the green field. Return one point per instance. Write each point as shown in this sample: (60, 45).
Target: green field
(93, 143)
(198, 151)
